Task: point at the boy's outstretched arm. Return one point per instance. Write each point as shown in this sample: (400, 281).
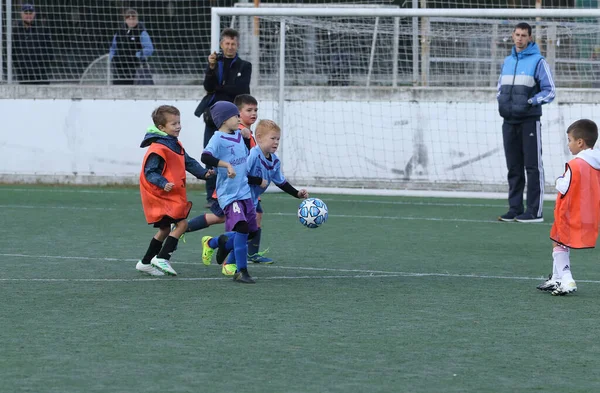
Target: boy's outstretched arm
(288, 188)
(194, 167)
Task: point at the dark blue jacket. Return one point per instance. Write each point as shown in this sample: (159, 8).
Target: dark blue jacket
(230, 78)
(32, 52)
(525, 84)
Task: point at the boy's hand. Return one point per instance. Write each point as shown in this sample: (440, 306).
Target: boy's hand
(264, 184)
(210, 173)
(230, 172)
(303, 194)
(246, 133)
(168, 187)
(212, 60)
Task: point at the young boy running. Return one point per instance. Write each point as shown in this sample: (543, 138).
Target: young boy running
(577, 211)
(227, 152)
(162, 188)
(248, 107)
(264, 164)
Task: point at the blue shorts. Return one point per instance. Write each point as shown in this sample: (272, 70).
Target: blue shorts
(240, 211)
(259, 207)
(216, 209)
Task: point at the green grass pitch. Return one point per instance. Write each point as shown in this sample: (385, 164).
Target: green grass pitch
(390, 295)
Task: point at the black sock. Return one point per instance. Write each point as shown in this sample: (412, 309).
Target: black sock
(153, 250)
(168, 248)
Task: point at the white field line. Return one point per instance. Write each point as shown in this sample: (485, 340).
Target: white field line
(329, 198)
(501, 205)
(72, 191)
(356, 273)
(60, 207)
(408, 203)
(352, 216)
(189, 278)
(324, 191)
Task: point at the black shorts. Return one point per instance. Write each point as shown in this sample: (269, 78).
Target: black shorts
(166, 221)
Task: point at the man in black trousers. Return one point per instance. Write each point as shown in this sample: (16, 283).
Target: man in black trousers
(525, 84)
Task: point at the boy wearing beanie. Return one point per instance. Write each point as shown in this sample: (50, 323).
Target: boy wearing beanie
(227, 152)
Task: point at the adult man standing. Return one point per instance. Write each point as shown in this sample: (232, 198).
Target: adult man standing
(129, 51)
(227, 76)
(525, 84)
(32, 49)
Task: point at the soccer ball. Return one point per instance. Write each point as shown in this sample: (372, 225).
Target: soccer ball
(312, 212)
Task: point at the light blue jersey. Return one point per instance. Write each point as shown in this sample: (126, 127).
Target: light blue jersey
(230, 148)
(268, 169)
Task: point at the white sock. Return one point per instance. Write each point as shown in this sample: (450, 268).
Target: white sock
(555, 274)
(562, 264)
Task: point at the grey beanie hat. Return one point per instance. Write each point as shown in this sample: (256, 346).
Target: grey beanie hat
(222, 111)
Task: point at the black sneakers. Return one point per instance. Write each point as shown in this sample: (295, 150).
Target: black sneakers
(509, 216)
(528, 217)
(243, 276)
(520, 217)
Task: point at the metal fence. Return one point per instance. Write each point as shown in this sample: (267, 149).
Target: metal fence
(70, 43)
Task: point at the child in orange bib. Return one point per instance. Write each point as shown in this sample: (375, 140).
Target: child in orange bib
(162, 188)
(577, 210)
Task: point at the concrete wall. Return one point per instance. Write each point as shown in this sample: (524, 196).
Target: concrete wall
(403, 138)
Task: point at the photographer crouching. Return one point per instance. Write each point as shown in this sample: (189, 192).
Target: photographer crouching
(227, 76)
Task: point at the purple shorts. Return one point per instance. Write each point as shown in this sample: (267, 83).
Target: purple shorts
(240, 211)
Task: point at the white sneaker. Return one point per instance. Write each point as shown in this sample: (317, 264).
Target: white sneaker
(549, 285)
(163, 265)
(564, 288)
(148, 269)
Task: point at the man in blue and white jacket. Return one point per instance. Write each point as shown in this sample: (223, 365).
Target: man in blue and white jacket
(525, 84)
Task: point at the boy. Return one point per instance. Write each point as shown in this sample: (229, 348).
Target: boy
(162, 188)
(248, 107)
(577, 210)
(264, 164)
(227, 152)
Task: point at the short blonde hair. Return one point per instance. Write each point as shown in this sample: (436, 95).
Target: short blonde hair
(159, 115)
(265, 126)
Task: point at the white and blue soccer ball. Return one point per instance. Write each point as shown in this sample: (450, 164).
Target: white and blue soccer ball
(312, 212)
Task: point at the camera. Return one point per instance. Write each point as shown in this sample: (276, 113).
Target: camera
(220, 56)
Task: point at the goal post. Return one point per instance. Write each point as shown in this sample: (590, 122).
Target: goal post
(382, 128)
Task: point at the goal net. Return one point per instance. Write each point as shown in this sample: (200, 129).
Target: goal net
(408, 102)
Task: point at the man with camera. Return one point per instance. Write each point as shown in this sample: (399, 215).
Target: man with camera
(227, 76)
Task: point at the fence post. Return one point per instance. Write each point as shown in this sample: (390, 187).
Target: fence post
(396, 46)
(1, 47)
(9, 63)
(415, 45)
(281, 101)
